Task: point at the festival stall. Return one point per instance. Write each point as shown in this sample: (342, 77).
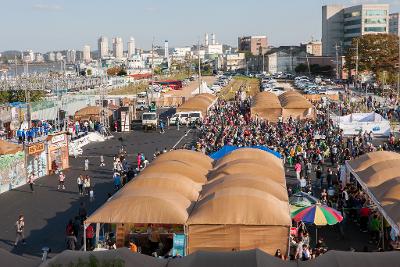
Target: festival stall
(36, 159)
(296, 106)
(378, 174)
(267, 106)
(12, 166)
(356, 123)
(90, 113)
(201, 102)
(57, 149)
(187, 203)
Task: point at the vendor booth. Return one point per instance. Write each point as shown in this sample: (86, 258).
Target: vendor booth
(356, 123)
(378, 173)
(184, 202)
(36, 159)
(57, 148)
(12, 166)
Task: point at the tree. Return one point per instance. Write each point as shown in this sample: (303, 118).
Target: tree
(89, 72)
(113, 71)
(301, 68)
(376, 53)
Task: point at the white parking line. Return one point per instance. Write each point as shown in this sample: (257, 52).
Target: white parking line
(183, 136)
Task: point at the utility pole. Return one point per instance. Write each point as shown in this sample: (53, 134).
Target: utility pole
(337, 61)
(308, 65)
(357, 58)
(198, 54)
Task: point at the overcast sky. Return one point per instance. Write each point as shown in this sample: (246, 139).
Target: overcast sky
(44, 25)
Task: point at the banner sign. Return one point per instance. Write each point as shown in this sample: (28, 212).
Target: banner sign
(179, 245)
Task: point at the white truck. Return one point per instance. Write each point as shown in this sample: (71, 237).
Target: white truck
(149, 120)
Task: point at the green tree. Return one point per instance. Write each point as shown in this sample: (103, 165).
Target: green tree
(89, 72)
(122, 72)
(301, 68)
(376, 53)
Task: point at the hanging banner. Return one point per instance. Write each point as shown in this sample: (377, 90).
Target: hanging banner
(179, 245)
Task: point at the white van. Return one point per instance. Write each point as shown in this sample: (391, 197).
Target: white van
(183, 118)
(195, 116)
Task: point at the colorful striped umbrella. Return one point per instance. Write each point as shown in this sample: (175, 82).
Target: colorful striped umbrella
(317, 214)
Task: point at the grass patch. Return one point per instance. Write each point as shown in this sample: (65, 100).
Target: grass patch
(131, 89)
(250, 85)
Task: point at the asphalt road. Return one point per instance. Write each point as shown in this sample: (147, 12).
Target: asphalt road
(48, 210)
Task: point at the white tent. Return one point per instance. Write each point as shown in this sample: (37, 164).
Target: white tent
(204, 89)
(360, 122)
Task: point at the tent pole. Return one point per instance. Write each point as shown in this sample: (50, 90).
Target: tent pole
(316, 235)
(84, 237)
(383, 234)
(97, 233)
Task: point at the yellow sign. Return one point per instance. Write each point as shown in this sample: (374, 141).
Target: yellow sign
(35, 148)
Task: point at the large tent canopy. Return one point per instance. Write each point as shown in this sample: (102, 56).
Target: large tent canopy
(200, 102)
(270, 107)
(225, 203)
(143, 205)
(379, 174)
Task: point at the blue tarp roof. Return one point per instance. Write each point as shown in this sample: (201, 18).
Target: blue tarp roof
(227, 149)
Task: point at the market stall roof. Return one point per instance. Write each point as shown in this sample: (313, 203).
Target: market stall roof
(167, 181)
(379, 175)
(178, 167)
(369, 159)
(188, 156)
(240, 206)
(90, 111)
(225, 150)
(250, 181)
(7, 148)
(143, 205)
(254, 154)
(266, 100)
(199, 102)
(294, 100)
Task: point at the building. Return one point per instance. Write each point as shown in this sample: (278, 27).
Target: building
(39, 58)
(284, 61)
(131, 47)
(166, 49)
(51, 57)
(257, 45)
(394, 23)
(234, 62)
(71, 56)
(181, 52)
(86, 53)
(59, 56)
(118, 48)
(314, 48)
(103, 46)
(340, 25)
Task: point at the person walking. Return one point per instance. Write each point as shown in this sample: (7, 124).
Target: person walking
(61, 181)
(139, 161)
(162, 131)
(32, 177)
(86, 164)
(297, 168)
(86, 185)
(102, 164)
(79, 181)
(20, 227)
(117, 181)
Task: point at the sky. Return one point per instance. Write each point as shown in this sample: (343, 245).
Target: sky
(45, 25)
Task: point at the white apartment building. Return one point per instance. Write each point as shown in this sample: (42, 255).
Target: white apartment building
(340, 25)
(86, 53)
(71, 56)
(103, 46)
(232, 62)
(52, 56)
(118, 48)
(131, 47)
(181, 52)
(59, 56)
